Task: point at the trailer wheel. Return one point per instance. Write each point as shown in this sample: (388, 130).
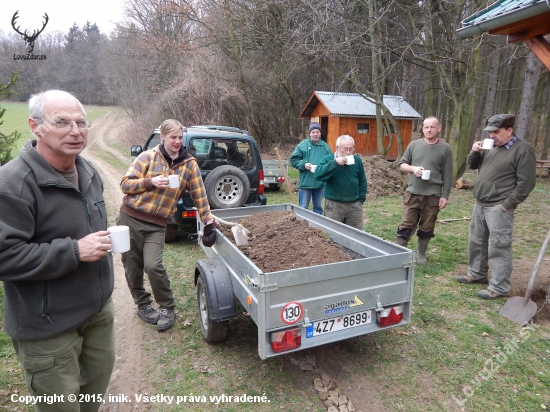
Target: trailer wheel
(211, 331)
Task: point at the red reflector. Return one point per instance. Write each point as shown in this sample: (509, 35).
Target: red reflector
(287, 340)
(261, 179)
(192, 213)
(280, 179)
(390, 316)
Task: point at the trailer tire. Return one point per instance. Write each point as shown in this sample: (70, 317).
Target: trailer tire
(171, 233)
(211, 331)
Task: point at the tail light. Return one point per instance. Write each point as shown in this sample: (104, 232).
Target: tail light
(286, 340)
(261, 185)
(190, 213)
(280, 179)
(389, 316)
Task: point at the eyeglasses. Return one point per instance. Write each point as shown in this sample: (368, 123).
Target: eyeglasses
(68, 124)
(347, 149)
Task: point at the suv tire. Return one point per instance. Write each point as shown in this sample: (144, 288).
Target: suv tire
(226, 187)
(171, 233)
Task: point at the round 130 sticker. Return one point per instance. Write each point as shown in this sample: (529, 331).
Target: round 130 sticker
(291, 313)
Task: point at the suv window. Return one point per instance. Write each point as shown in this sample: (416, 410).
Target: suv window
(211, 153)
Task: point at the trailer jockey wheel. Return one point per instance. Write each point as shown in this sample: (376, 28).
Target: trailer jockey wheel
(211, 331)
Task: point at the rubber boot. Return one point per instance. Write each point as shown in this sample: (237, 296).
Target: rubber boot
(422, 246)
(401, 241)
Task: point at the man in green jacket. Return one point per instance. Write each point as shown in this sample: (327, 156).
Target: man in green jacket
(305, 158)
(425, 196)
(346, 183)
(506, 176)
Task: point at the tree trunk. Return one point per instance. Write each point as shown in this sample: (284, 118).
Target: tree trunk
(530, 80)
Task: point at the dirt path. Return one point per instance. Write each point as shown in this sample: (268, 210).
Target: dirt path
(128, 377)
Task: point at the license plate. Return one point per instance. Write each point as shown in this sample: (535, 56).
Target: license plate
(340, 323)
(269, 179)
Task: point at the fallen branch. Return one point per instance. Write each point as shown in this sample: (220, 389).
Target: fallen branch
(453, 220)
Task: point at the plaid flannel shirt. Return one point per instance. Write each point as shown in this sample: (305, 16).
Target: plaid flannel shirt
(159, 204)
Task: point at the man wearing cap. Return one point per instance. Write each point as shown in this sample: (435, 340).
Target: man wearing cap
(506, 176)
(305, 158)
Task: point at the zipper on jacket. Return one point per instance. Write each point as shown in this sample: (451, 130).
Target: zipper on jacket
(46, 302)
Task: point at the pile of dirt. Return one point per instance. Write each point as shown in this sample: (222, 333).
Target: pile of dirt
(281, 241)
(383, 177)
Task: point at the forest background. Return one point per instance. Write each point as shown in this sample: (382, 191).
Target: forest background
(254, 65)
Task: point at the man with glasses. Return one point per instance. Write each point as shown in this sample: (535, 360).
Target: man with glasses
(54, 259)
(425, 195)
(345, 183)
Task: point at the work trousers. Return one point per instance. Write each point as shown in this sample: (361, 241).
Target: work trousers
(490, 240)
(418, 210)
(72, 367)
(350, 213)
(145, 255)
(305, 195)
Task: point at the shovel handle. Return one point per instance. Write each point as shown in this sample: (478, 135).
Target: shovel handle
(531, 284)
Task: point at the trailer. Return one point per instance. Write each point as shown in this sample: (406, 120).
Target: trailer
(310, 306)
(274, 178)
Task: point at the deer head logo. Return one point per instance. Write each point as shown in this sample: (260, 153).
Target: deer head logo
(29, 40)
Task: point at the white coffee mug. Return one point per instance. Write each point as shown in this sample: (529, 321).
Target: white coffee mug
(488, 144)
(426, 175)
(120, 239)
(174, 181)
(313, 168)
(350, 160)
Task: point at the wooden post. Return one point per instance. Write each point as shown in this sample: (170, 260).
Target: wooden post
(284, 175)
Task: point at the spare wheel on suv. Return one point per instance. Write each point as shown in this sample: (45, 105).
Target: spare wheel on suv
(226, 186)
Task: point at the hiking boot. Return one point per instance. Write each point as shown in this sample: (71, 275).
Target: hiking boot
(167, 319)
(489, 294)
(468, 279)
(148, 314)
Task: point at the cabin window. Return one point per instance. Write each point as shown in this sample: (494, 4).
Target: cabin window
(363, 128)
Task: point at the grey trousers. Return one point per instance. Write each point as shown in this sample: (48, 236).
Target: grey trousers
(490, 240)
(350, 213)
(145, 255)
(77, 363)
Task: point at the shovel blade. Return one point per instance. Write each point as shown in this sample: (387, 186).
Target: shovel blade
(518, 310)
(240, 235)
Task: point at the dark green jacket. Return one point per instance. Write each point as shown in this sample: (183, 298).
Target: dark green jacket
(505, 176)
(307, 152)
(48, 291)
(342, 183)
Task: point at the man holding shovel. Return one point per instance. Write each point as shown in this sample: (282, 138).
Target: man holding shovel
(506, 176)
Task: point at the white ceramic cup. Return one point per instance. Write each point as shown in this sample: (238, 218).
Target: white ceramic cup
(313, 168)
(173, 181)
(120, 238)
(426, 175)
(350, 160)
(488, 144)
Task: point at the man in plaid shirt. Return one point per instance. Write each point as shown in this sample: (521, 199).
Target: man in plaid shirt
(148, 204)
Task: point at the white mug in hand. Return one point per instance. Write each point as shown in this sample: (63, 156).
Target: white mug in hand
(488, 144)
(426, 175)
(174, 181)
(313, 168)
(120, 239)
(350, 160)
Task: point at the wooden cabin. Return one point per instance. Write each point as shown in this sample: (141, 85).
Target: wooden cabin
(354, 115)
